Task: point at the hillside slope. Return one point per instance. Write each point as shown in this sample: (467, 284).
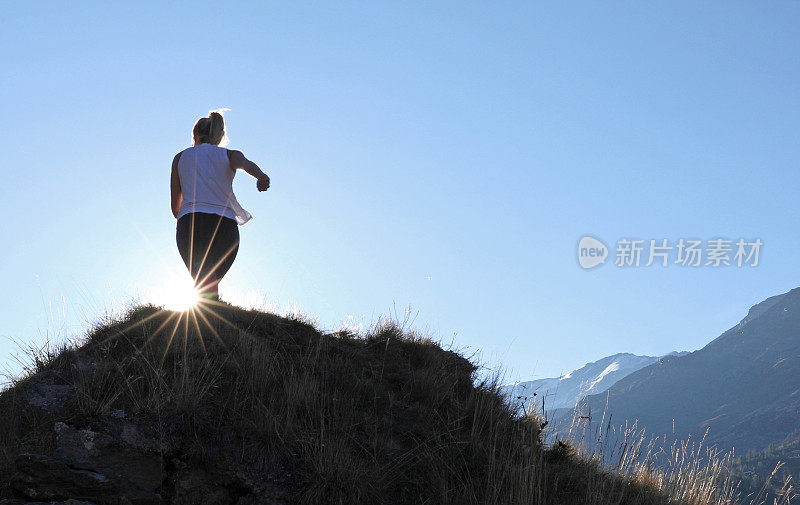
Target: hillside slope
(228, 406)
(743, 387)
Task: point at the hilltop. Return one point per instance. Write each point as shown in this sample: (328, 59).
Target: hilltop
(229, 406)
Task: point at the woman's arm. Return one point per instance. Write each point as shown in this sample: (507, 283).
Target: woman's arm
(238, 160)
(176, 195)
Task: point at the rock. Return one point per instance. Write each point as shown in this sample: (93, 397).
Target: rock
(79, 446)
(117, 414)
(89, 465)
(122, 462)
(119, 464)
(66, 502)
(51, 398)
(194, 485)
(131, 435)
(42, 478)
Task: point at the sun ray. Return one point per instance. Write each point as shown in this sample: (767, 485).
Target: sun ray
(176, 293)
(191, 243)
(185, 332)
(211, 327)
(201, 283)
(240, 330)
(130, 327)
(205, 255)
(228, 353)
(171, 337)
(193, 313)
(161, 327)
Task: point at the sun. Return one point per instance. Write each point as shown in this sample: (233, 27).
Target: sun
(176, 294)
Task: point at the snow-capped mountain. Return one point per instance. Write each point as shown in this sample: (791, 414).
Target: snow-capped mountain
(741, 391)
(566, 391)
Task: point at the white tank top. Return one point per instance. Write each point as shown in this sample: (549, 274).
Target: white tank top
(207, 183)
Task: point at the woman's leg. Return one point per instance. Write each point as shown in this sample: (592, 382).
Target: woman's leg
(222, 251)
(184, 238)
(208, 244)
(194, 235)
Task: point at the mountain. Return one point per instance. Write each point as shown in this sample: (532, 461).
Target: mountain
(220, 405)
(557, 395)
(743, 387)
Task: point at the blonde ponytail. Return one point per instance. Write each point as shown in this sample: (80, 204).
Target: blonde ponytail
(211, 129)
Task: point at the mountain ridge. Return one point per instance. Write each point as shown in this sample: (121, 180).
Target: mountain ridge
(749, 376)
(556, 395)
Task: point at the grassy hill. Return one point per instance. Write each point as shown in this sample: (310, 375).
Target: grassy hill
(224, 405)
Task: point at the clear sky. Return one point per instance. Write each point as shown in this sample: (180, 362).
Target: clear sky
(446, 156)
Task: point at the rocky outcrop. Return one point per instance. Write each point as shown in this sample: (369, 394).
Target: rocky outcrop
(25, 502)
(122, 466)
(88, 465)
(121, 460)
(46, 395)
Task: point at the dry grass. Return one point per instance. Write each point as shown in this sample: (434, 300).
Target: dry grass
(388, 417)
(685, 471)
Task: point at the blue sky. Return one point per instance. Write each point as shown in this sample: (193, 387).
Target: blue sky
(444, 156)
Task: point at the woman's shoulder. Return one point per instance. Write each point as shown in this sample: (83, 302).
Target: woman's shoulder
(178, 156)
(232, 153)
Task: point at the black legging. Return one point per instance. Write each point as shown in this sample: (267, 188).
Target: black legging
(208, 244)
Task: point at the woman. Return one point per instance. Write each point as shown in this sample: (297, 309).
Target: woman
(203, 202)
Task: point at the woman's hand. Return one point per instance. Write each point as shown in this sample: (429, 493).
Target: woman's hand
(263, 182)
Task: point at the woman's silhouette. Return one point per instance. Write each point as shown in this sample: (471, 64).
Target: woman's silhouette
(203, 202)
